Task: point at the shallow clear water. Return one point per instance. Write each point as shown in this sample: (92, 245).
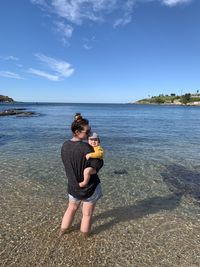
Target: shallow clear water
(151, 167)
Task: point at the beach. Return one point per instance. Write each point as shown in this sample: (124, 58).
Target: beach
(150, 212)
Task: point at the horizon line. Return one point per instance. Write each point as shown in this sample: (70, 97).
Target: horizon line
(50, 102)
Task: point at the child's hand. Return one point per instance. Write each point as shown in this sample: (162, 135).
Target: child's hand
(82, 184)
(87, 156)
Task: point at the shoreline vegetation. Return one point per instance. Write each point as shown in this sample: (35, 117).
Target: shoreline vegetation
(6, 99)
(187, 99)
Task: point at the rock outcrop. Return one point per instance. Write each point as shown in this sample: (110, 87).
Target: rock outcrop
(6, 99)
(19, 112)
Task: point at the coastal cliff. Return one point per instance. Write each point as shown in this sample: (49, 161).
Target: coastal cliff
(6, 99)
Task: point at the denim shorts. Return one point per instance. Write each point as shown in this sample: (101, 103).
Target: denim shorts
(93, 198)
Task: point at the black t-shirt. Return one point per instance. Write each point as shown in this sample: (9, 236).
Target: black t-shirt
(73, 157)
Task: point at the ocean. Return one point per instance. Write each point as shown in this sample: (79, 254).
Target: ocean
(150, 181)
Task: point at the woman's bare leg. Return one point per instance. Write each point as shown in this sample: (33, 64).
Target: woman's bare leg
(87, 212)
(69, 215)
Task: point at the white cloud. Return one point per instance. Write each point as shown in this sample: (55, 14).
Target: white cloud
(88, 43)
(122, 21)
(39, 2)
(9, 58)
(8, 74)
(74, 11)
(175, 2)
(78, 11)
(44, 75)
(126, 15)
(64, 30)
(19, 65)
(61, 69)
(87, 47)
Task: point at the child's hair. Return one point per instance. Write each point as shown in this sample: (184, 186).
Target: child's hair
(78, 123)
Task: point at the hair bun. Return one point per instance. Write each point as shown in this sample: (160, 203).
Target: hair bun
(78, 117)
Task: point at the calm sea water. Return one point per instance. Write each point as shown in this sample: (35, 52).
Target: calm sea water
(141, 142)
(150, 180)
(163, 133)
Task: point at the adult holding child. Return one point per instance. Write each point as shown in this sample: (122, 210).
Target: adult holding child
(73, 155)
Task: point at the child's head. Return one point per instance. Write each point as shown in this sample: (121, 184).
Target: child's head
(93, 139)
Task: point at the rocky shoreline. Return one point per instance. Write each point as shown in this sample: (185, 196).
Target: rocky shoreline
(167, 104)
(6, 99)
(19, 112)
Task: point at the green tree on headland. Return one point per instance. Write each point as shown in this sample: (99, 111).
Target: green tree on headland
(185, 98)
(159, 100)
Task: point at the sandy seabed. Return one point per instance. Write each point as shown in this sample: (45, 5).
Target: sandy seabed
(128, 230)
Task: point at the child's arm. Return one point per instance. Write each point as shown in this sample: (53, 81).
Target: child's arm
(98, 153)
(86, 176)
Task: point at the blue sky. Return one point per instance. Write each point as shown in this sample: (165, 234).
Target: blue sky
(101, 51)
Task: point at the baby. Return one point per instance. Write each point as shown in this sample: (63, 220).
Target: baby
(94, 141)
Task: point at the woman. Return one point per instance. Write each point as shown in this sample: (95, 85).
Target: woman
(73, 156)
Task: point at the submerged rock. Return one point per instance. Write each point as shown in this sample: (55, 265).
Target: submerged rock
(182, 181)
(121, 172)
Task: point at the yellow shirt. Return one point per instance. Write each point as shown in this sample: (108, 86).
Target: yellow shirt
(98, 152)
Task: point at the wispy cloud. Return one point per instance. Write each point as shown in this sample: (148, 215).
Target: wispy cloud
(19, 65)
(87, 47)
(175, 2)
(9, 58)
(39, 2)
(127, 14)
(88, 43)
(44, 74)
(78, 11)
(9, 74)
(64, 31)
(61, 69)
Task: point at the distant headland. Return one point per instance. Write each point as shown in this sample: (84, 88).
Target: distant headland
(6, 99)
(173, 99)
(18, 112)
